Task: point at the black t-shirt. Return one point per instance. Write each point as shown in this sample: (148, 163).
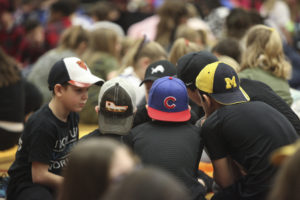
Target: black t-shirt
(248, 133)
(175, 147)
(45, 139)
(12, 102)
(259, 91)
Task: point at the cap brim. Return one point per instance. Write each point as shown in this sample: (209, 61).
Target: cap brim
(87, 81)
(151, 78)
(229, 98)
(117, 126)
(169, 116)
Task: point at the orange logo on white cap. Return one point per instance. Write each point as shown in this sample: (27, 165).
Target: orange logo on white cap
(82, 65)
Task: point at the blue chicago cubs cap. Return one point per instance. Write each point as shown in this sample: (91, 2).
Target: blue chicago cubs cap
(168, 100)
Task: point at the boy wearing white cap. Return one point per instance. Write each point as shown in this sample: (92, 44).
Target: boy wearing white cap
(50, 133)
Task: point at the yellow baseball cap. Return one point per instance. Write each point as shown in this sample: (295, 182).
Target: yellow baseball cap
(221, 82)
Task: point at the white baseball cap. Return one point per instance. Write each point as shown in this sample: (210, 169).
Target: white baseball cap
(74, 71)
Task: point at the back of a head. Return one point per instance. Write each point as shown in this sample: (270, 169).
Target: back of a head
(237, 23)
(104, 40)
(174, 9)
(228, 47)
(184, 31)
(189, 66)
(255, 17)
(144, 48)
(171, 14)
(148, 184)
(264, 49)
(87, 172)
(102, 10)
(182, 47)
(72, 37)
(64, 7)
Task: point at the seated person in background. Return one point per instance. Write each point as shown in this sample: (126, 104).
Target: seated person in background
(169, 141)
(116, 109)
(50, 133)
(238, 138)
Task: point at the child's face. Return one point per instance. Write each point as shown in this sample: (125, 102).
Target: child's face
(74, 98)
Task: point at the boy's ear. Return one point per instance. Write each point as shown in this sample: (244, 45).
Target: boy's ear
(97, 109)
(207, 100)
(58, 89)
(146, 62)
(206, 104)
(146, 106)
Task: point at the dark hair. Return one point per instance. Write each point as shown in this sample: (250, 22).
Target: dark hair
(65, 7)
(237, 23)
(148, 184)
(31, 24)
(64, 85)
(255, 17)
(229, 47)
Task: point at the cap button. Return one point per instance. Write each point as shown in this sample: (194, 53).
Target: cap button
(170, 77)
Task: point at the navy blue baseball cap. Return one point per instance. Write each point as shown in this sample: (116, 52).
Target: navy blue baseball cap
(168, 100)
(222, 83)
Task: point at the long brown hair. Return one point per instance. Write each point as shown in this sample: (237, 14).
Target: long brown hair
(72, 37)
(143, 48)
(170, 14)
(181, 47)
(9, 72)
(105, 40)
(264, 49)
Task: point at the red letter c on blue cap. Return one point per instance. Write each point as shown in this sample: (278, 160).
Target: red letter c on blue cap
(168, 104)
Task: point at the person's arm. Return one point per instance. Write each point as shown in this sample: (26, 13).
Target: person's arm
(222, 172)
(41, 175)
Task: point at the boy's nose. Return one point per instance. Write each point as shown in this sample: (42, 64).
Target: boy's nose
(85, 95)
